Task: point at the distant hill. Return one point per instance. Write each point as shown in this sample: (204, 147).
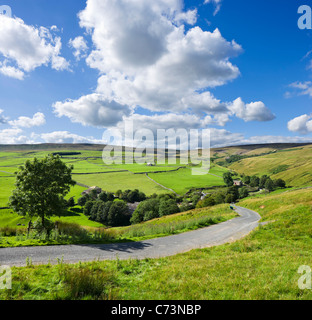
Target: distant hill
(292, 163)
(51, 146)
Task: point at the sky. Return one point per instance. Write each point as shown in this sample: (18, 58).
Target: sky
(70, 70)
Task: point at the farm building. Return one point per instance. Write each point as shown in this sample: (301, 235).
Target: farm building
(98, 190)
(238, 183)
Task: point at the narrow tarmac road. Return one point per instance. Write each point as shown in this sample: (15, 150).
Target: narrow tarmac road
(215, 235)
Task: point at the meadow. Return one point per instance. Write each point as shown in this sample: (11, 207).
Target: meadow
(262, 266)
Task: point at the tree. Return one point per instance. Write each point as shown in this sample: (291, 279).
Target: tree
(41, 186)
(147, 210)
(103, 196)
(262, 182)
(228, 180)
(118, 214)
(71, 202)
(83, 200)
(279, 183)
(269, 185)
(88, 207)
(243, 193)
(168, 207)
(254, 181)
(246, 180)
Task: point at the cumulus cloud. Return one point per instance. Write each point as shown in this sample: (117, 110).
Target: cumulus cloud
(147, 58)
(25, 122)
(301, 124)
(92, 110)
(25, 48)
(255, 111)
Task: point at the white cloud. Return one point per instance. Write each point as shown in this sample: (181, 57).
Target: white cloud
(80, 47)
(302, 124)
(11, 72)
(24, 122)
(255, 111)
(151, 61)
(26, 48)
(217, 4)
(66, 137)
(146, 58)
(92, 110)
(13, 136)
(301, 88)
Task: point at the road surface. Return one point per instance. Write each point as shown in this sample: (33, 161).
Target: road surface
(215, 235)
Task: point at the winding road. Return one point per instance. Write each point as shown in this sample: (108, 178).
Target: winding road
(215, 235)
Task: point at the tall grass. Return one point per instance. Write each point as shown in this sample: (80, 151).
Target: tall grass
(87, 283)
(174, 227)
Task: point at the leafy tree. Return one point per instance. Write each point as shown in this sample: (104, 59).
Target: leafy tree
(88, 207)
(103, 211)
(207, 202)
(269, 185)
(95, 208)
(71, 202)
(168, 207)
(262, 182)
(243, 193)
(118, 214)
(146, 210)
(228, 180)
(219, 197)
(254, 181)
(279, 183)
(103, 196)
(41, 186)
(83, 200)
(246, 180)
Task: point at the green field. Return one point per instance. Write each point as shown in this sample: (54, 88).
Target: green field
(182, 181)
(90, 170)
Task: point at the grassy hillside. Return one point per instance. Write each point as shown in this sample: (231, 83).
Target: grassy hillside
(292, 165)
(263, 266)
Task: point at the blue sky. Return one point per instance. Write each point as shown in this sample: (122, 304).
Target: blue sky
(240, 68)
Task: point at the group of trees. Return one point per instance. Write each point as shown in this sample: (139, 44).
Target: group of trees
(109, 209)
(155, 207)
(131, 196)
(264, 182)
(109, 213)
